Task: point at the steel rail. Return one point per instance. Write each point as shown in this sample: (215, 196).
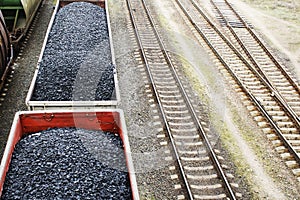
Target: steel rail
(212, 154)
(274, 125)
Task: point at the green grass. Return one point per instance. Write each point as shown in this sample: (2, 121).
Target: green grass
(190, 73)
(287, 10)
(243, 170)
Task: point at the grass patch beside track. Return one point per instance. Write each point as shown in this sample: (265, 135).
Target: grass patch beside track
(287, 10)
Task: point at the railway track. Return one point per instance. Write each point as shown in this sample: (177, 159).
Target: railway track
(200, 169)
(244, 38)
(271, 95)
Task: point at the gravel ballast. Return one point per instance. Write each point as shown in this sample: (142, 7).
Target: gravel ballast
(77, 62)
(68, 163)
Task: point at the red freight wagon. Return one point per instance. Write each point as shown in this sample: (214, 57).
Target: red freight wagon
(26, 122)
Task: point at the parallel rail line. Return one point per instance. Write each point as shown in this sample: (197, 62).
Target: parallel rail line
(255, 83)
(199, 166)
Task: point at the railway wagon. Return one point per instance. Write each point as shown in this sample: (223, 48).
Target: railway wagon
(41, 103)
(18, 15)
(26, 123)
(6, 51)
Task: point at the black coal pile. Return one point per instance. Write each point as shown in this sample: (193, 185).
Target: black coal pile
(68, 163)
(77, 63)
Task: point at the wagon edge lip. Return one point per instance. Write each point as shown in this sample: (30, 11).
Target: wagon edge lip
(130, 165)
(127, 151)
(6, 154)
